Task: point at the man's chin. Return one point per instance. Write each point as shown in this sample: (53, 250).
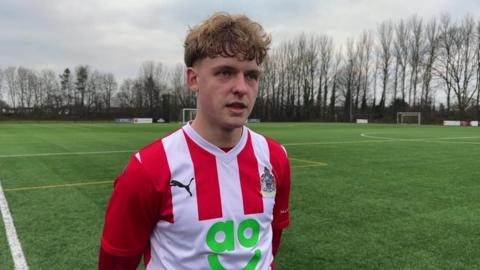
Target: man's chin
(235, 123)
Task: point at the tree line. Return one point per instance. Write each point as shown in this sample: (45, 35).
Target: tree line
(430, 66)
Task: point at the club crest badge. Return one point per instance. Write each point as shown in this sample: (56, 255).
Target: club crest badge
(268, 184)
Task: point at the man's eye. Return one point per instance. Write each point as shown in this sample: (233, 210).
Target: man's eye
(224, 73)
(251, 77)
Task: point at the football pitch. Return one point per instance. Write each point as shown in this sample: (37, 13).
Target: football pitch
(363, 196)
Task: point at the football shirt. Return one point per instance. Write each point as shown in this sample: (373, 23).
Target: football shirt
(187, 204)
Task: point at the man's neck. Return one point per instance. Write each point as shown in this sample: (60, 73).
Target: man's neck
(218, 136)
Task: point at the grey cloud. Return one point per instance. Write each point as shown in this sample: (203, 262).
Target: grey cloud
(119, 35)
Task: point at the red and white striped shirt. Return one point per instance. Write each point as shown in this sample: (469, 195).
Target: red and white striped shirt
(187, 204)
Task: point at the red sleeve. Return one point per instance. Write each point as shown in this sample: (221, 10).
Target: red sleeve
(110, 262)
(277, 235)
(281, 170)
(132, 213)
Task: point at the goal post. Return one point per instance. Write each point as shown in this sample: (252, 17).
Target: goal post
(409, 118)
(188, 114)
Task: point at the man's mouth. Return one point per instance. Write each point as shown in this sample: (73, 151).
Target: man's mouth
(236, 105)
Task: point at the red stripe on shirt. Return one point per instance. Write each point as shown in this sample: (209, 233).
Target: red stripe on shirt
(154, 159)
(250, 180)
(206, 181)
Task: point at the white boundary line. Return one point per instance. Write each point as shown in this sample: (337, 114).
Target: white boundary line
(15, 246)
(132, 151)
(376, 139)
(67, 154)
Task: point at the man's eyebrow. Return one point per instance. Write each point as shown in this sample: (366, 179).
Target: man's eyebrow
(254, 71)
(224, 67)
(228, 67)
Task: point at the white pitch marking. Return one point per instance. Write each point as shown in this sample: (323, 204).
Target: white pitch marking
(384, 138)
(377, 139)
(428, 140)
(456, 138)
(132, 151)
(15, 246)
(475, 143)
(67, 154)
(337, 142)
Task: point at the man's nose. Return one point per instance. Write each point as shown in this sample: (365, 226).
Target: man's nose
(240, 86)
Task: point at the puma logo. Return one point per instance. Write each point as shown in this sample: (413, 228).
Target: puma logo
(175, 183)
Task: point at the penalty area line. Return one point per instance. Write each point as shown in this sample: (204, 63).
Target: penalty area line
(79, 184)
(305, 166)
(310, 162)
(12, 238)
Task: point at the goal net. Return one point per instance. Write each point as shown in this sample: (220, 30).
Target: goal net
(409, 118)
(188, 114)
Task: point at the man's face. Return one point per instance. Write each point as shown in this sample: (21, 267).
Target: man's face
(227, 89)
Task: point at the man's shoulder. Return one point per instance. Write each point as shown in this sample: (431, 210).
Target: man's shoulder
(272, 143)
(157, 146)
(152, 158)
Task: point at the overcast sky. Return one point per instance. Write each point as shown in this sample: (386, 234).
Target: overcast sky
(118, 35)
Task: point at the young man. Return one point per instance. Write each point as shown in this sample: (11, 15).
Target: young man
(213, 194)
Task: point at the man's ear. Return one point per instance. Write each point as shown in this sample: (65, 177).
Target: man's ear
(192, 79)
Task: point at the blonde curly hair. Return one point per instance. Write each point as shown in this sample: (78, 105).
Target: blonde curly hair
(227, 35)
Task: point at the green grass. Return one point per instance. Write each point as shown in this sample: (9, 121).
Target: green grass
(389, 197)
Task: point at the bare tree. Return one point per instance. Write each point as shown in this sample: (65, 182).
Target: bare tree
(34, 88)
(24, 97)
(108, 90)
(415, 44)
(268, 87)
(311, 63)
(367, 41)
(288, 81)
(457, 67)
(1, 84)
(66, 83)
(402, 52)
(150, 76)
(349, 71)
(375, 78)
(285, 99)
(10, 78)
(150, 93)
(432, 44)
(307, 60)
(477, 87)
(161, 77)
(93, 93)
(463, 68)
(333, 95)
(385, 36)
(183, 95)
(81, 73)
(363, 54)
(326, 55)
(126, 94)
(51, 90)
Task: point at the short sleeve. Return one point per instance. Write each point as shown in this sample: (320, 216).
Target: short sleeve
(132, 212)
(281, 169)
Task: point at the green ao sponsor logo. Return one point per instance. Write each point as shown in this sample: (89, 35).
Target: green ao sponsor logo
(228, 243)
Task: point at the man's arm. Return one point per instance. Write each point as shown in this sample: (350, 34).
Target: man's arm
(107, 261)
(277, 235)
(130, 218)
